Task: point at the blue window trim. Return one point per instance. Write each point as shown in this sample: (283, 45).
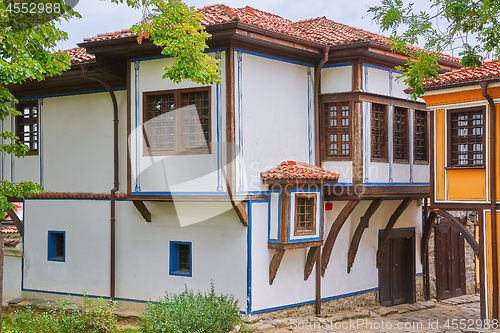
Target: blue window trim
(174, 261)
(51, 246)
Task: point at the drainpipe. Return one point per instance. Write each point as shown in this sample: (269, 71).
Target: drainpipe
(317, 78)
(112, 287)
(493, 192)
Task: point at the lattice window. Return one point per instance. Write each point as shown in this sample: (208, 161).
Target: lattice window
(160, 118)
(305, 214)
(467, 139)
(184, 258)
(196, 119)
(379, 132)
(420, 137)
(27, 126)
(400, 134)
(177, 122)
(338, 131)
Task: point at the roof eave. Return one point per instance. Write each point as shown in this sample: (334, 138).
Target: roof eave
(460, 84)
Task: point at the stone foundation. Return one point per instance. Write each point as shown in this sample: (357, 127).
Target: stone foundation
(330, 306)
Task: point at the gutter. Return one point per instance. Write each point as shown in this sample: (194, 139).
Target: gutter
(317, 117)
(493, 199)
(115, 182)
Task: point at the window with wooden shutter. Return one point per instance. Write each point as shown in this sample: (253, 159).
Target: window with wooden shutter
(177, 122)
(379, 138)
(338, 131)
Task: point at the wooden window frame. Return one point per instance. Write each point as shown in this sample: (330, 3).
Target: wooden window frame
(384, 134)
(338, 130)
(450, 141)
(312, 231)
(425, 138)
(32, 119)
(177, 94)
(405, 129)
(56, 246)
(175, 260)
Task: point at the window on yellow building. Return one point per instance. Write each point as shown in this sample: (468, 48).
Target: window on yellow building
(466, 138)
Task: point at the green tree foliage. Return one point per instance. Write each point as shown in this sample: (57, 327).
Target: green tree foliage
(27, 52)
(472, 26)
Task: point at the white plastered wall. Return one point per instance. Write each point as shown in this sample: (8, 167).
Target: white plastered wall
(364, 273)
(336, 79)
(273, 123)
(181, 173)
(344, 169)
(77, 141)
(290, 275)
(219, 250)
(12, 274)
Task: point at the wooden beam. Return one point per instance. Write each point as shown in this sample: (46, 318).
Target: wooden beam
(387, 231)
(312, 255)
(241, 212)
(17, 222)
(141, 207)
(334, 232)
(465, 233)
(275, 264)
(426, 234)
(356, 238)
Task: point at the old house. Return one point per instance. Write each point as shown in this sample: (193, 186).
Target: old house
(299, 178)
(464, 164)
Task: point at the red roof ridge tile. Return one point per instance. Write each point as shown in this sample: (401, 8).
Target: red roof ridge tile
(296, 170)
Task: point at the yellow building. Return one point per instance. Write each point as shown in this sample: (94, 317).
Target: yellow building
(464, 106)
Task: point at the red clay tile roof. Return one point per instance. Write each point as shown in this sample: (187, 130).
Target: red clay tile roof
(320, 30)
(329, 32)
(111, 35)
(218, 14)
(10, 235)
(291, 170)
(76, 195)
(489, 69)
(79, 55)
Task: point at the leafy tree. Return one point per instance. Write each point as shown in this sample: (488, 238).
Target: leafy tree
(472, 26)
(28, 40)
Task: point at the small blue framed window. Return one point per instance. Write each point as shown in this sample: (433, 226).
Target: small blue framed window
(56, 246)
(180, 258)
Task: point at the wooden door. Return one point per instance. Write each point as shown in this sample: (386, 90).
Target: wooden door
(450, 261)
(397, 270)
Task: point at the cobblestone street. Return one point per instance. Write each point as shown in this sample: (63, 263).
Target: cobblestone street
(420, 317)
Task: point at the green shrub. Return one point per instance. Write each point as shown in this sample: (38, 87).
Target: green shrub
(190, 312)
(92, 319)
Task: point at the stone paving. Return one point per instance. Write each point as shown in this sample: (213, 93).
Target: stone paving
(419, 317)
